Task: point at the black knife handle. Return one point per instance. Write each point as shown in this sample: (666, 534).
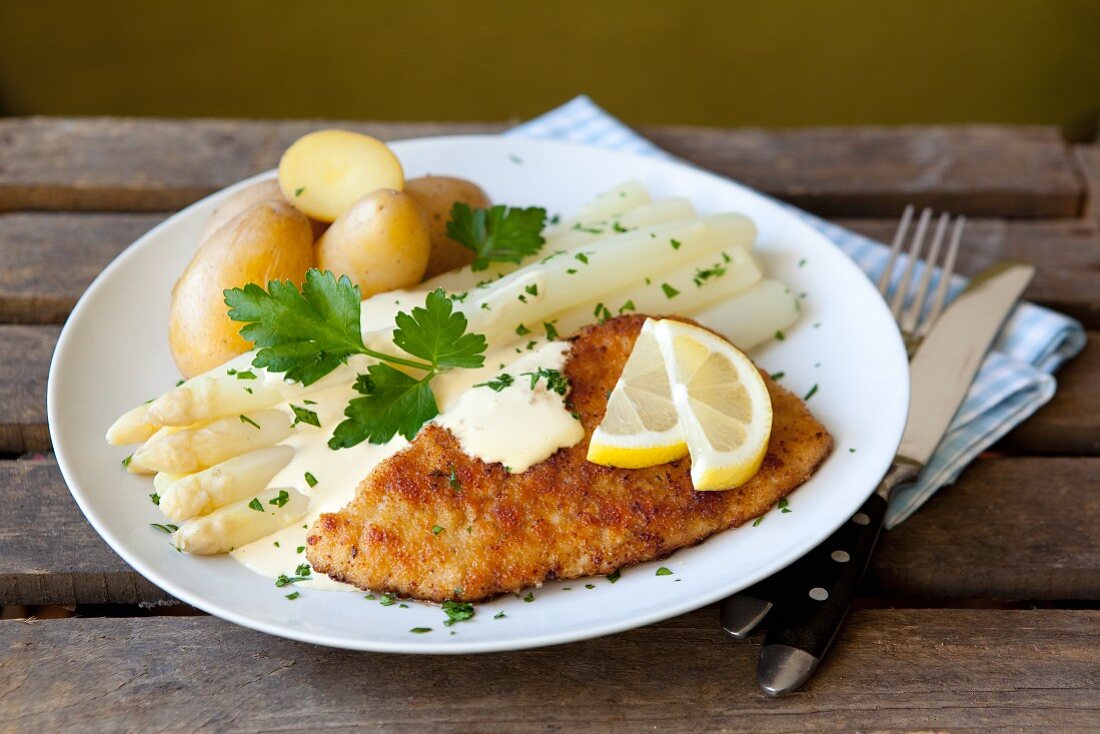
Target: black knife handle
(819, 588)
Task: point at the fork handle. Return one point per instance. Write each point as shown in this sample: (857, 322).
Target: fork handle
(819, 588)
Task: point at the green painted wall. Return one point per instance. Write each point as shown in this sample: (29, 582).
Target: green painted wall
(768, 63)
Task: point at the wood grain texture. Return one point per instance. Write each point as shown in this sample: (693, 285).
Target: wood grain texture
(47, 260)
(890, 670)
(1087, 159)
(151, 165)
(1027, 528)
(1066, 253)
(25, 353)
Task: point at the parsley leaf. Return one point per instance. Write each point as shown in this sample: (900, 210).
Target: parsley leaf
(457, 612)
(498, 383)
(437, 334)
(555, 380)
(304, 334)
(393, 403)
(305, 415)
(497, 234)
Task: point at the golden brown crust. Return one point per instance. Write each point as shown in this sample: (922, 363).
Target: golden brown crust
(563, 518)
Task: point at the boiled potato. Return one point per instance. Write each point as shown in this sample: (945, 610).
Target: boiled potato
(381, 243)
(436, 195)
(261, 191)
(323, 173)
(268, 240)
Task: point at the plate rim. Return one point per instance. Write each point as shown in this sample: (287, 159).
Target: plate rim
(212, 607)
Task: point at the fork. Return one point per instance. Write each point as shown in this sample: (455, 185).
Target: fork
(742, 612)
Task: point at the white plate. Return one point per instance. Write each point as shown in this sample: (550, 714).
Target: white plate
(113, 353)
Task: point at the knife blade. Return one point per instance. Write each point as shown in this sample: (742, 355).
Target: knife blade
(819, 587)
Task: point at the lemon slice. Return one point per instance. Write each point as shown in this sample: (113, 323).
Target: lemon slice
(724, 409)
(641, 425)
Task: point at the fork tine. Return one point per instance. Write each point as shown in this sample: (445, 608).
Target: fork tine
(895, 248)
(912, 314)
(945, 277)
(912, 256)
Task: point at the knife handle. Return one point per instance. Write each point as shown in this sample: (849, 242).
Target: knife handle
(819, 589)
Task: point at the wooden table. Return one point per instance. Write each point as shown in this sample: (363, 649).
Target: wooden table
(982, 610)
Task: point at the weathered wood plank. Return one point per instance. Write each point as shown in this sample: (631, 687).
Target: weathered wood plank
(933, 669)
(1087, 158)
(1067, 254)
(1027, 529)
(48, 260)
(1068, 423)
(25, 353)
(152, 165)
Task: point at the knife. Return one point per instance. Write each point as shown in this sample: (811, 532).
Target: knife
(817, 590)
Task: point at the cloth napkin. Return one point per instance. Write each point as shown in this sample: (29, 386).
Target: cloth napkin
(1013, 382)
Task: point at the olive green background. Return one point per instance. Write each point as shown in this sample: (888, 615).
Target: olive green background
(711, 63)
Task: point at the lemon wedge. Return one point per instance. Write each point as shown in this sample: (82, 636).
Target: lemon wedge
(641, 426)
(710, 402)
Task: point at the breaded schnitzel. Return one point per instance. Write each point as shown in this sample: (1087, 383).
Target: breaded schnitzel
(563, 518)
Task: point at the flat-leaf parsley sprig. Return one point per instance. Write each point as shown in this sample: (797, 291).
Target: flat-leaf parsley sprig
(497, 234)
(308, 334)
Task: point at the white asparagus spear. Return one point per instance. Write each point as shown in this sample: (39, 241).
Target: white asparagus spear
(686, 289)
(197, 447)
(235, 479)
(136, 466)
(572, 236)
(239, 523)
(754, 316)
(133, 427)
(163, 480)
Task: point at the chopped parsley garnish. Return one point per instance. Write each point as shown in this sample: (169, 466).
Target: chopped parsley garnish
(298, 191)
(851, 451)
(255, 505)
(281, 499)
(497, 234)
(782, 505)
(420, 630)
(628, 306)
(305, 415)
(555, 380)
(702, 275)
(498, 383)
(580, 256)
(155, 498)
(307, 334)
(532, 290)
(169, 529)
(618, 227)
(522, 330)
(551, 330)
(126, 461)
(245, 419)
(777, 375)
(602, 312)
(293, 595)
(180, 382)
(669, 291)
(580, 227)
(530, 597)
(437, 529)
(811, 393)
(299, 549)
(276, 544)
(310, 479)
(758, 521)
(780, 335)
(457, 612)
(590, 586)
(675, 244)
(387, 600)
(662, 571)
(570, 271)
(499, 615)
(285, 580)
(453, 480)
(614, 576)
(246, 375)
(402, 606)
(801, 262)
(303, 570)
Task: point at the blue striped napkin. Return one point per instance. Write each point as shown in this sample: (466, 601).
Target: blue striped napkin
(1014, 381)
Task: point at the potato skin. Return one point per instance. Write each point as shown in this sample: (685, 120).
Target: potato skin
(268, 240)
(324, 172)
(436, 195)
(260, 191)
(381, 243)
